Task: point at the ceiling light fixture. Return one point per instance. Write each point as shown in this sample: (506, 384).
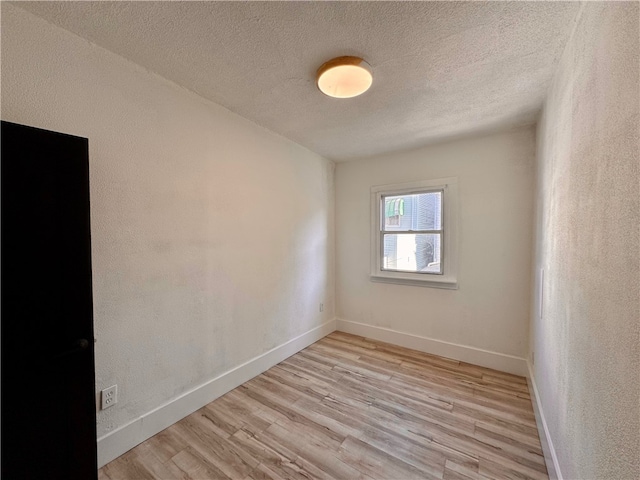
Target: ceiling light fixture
(344, 77)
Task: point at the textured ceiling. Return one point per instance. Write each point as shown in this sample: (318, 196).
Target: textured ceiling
(441, 69)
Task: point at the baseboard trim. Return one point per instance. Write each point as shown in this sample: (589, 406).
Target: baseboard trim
(476, 356)
(123, 439)
(550, 457)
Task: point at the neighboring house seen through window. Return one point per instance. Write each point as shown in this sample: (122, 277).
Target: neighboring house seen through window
(414, 233)
(412, 239)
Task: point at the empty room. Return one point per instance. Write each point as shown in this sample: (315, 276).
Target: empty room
(332, 240)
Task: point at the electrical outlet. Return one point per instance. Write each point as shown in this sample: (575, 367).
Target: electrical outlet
(109, 396)
(322, 307)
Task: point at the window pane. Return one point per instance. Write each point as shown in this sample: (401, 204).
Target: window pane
(408, 252)
(420, 211)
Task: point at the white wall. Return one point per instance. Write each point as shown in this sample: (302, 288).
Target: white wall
(490, 310)
(212, 238)
(587, 344)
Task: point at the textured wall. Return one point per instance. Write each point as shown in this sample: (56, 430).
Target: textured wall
(212, 238)
(490, 310)
(587, 345)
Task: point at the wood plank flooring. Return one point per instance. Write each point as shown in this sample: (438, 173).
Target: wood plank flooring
(348, 407)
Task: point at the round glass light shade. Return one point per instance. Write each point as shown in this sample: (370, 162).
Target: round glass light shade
(344, 77)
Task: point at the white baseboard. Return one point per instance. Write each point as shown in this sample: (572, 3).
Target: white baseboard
(476, 356)
(550, 457)
(119, 441)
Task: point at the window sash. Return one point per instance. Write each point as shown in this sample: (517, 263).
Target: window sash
(383, 198)
(412, 232)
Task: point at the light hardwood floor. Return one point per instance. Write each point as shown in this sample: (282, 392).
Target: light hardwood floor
(352, 408)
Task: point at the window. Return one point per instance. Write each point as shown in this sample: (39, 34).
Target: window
(413, 233)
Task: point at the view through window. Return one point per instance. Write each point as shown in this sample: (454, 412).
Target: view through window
(412, 232)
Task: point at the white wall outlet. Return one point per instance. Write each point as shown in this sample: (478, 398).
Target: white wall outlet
(109, 396)
(322, 307)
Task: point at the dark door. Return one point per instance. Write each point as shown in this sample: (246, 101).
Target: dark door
(48, 388)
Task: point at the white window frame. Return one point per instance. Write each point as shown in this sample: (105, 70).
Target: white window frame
(449, 255)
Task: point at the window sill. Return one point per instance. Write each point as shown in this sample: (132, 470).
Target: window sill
(440, 282)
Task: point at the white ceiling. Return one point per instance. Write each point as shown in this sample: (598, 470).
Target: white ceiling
(441, 69)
